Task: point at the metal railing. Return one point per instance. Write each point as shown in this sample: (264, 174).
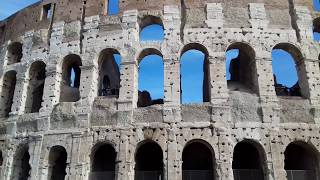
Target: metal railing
(105, 175)
(148, 175)
(301, 175)
(197, 175)
(247, 174)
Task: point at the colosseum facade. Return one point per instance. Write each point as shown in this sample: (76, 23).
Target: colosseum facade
(53, 129)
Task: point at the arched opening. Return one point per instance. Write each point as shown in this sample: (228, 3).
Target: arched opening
(248, 161)
(112, 7)
(103, 163)
(195, 74)
(14, 53)
(151, 29)
(289, 71)
(198, 161)
(149, 161)
(109, 73)
(301, 161)
(21, 166)
(7, 94)
(316, 27)
(316, 5)
(57, 163)
(69, 90)
(151, 78)
(241, 68)
(1, 159)
(37, 76)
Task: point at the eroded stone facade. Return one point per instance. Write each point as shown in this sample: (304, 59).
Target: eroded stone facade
(73, 122)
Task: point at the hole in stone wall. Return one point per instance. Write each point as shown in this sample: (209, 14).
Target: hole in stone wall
(241, 68)
(301, 160)
(109, 73)
(112, 7)
(195, 74)
(248, 162)
(151, 29)
(57, 163)
(70, 78)
(8, 88)
(316, 29)
(21, 164)
(151, 78)
(1, 158)
(14, 53)
(149, 161)
(37, 76)
(104, 163)
(289, 72)
(198, 161)
(47, 12)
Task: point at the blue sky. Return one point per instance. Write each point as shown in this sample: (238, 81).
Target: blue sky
(151, 67)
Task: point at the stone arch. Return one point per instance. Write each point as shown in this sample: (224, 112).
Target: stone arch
(70, 83)
(103, 161)
(20, 167)
(301, 161)
(149, 161)
(14, 53)
(249, 161)
(149, 22)
(301, 88)
(206, 88)
(198, 160)
(109, 73)
(242, 69)
(57, 163)
(147, 59)
(7, 93)
(36, 80)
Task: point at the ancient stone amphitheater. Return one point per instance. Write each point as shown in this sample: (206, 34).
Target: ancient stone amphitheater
(97, 126)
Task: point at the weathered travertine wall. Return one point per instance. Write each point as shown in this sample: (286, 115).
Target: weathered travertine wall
(79, 31)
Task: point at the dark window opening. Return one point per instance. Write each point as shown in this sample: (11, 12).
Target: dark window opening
(316, 29)
(1, 158)
(14, 53)
(149, 162)
(21, 164)
(195, 75)
(289, 71)
(151, 78)
(241, 68)
(109, 73)
(198, 161)
(104, 163)
(112, 7)
(7, 95)
(70, 83)
(151, 29)
(57, 163)
(37, 75)
(248, 162)
(301, 162)
(47, 12)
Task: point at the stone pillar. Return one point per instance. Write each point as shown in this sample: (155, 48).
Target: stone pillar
(258, 16)
(8, 163)
(174, 165)
(277, 150)
(125, 165)
(75, 167)
(128, 96)
(224, 160)
(35, 150)
(302, 22)
(266, 90)
(16, 108)
(51, 90)
(219, 87)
